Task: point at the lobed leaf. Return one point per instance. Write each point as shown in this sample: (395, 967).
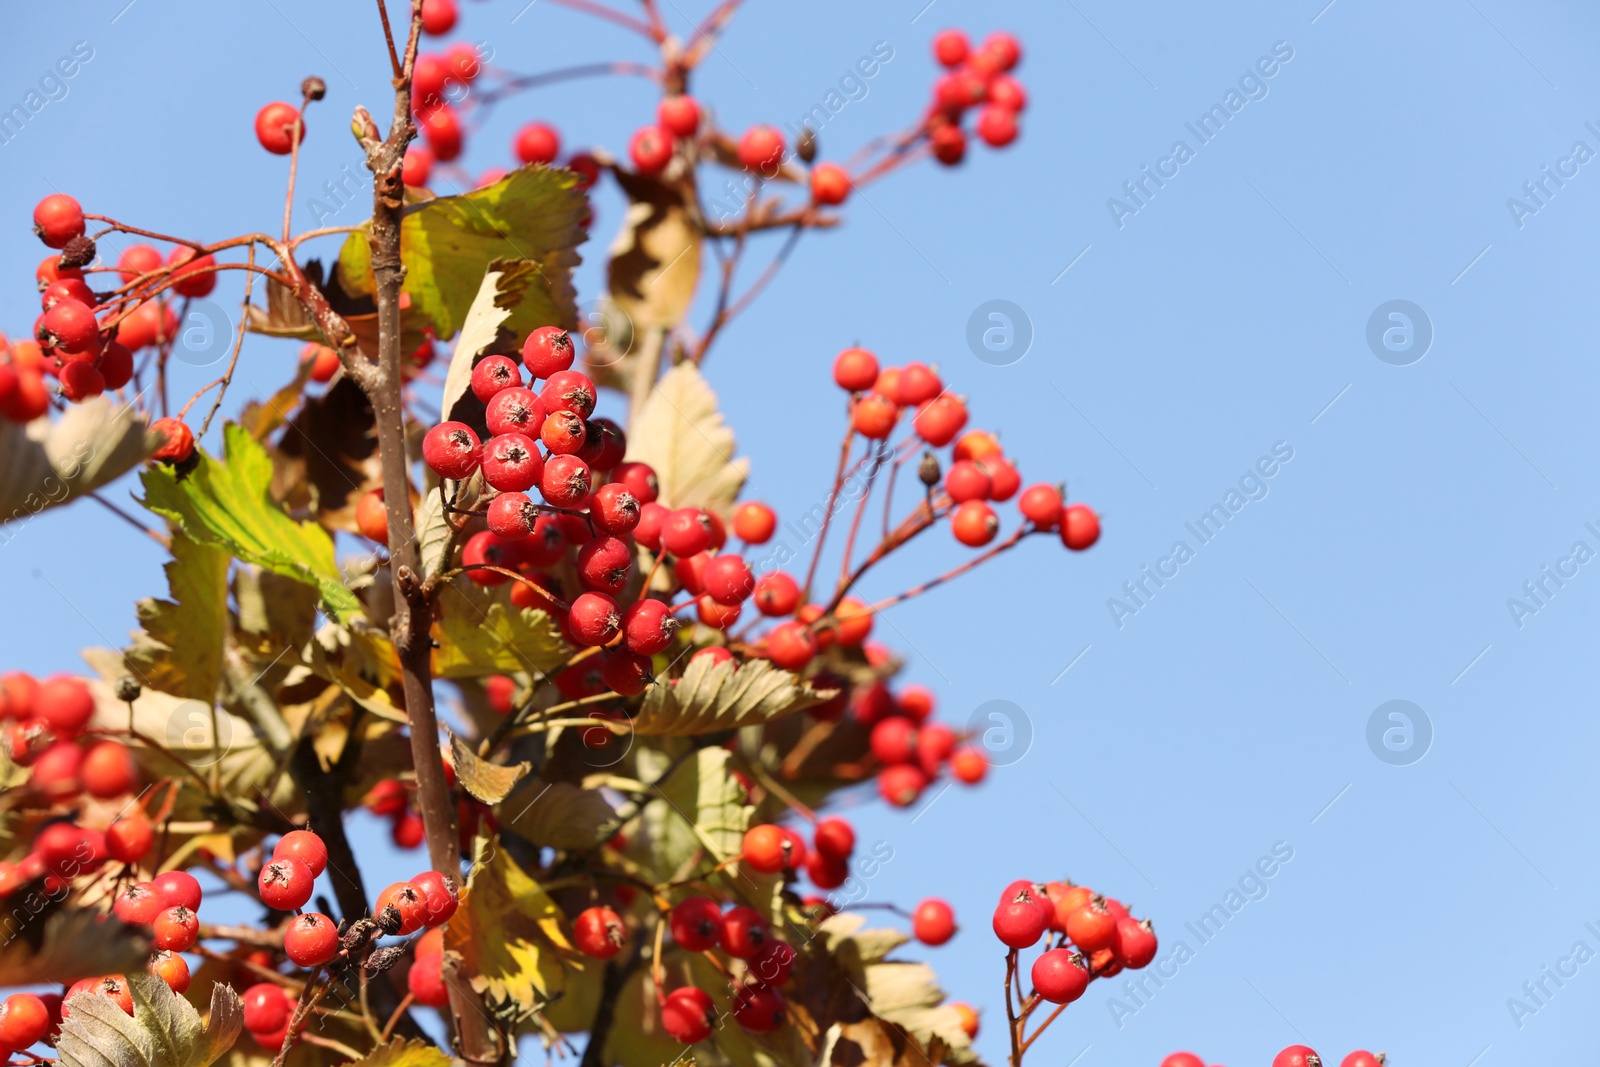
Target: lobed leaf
(402, 1053)
(500, 640)
(446, 242)
(722, 695)
(165, 1029)
(45, 463)
(226, 504)
(558, 814)
(180, 647)
(680, 432)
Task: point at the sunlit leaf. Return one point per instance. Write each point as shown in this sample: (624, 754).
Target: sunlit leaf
(719, 695)
(164, 1029)
(446, 242)
(226, 504)
(402, 1053)
(500, 640)
(558, 814)
(489, 782)
(180, 648)
(508, 935)
(680, 433)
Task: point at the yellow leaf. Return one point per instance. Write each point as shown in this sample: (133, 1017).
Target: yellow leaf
(474, 643)
(681, 434)
(489, 782)
(403, 1053)
(558, 814)
(507, 934)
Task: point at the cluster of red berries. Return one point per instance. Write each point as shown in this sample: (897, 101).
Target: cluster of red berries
(1293, 1056)
(979, 473)
(1104, 937)
(45, 723)
(168, 907)
(84, 341)
(757, 961)
(976, 79)
(390, 799)
(912, 750)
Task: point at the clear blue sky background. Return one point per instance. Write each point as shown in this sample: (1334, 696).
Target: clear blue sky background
(1226, 315)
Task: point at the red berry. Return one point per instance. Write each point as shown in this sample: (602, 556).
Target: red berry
(1019, 921)
(1183, 1059)
(285, 884)
(627, 672)
(761, 150)
(997, 126)
(754, 523)
(425, 981)
(372, 516)
(442, 129)
(57, 219)
(604, 564)
(791, 646)
(486, 549)
(934, 744)
(407, 830)
(727, 579)
(311, 939)
(55, 770)
(640, 478)
(304, 846)
(715, 615)
(648, 627)
(70, 326)
(949, 145)
(1092, 927)
(139, 905)
(901, 784)
(108, 770)
(686, 532)
(830, 184)
(1135, 942)
(774, 963)
(452, 450)
(874, 416)
(966, 480)
(418, 162)
(492, 374)
(537, 142)
(614, 509)
(950, 48)
(687, 1015)
(776, 594)
(893, 740)
(515, 409)
(855, 369)
(974, 524)
(266, 1008)
(744, 932)
(650, 149)
(512, 463)
(918, 384)
(24, 1021)
(408, 901)
(933, 923)
(594, 619)
(1363, 1059)
(438, 16)
(1060, 976)
(1041, 505)
(171, 969)
(66, 289)
(175, 929)
(64, 704)
(562, 433)
(1297, 1056)
(80, 381)
(834, 838)
(770, 849)
(278, 126)
(137, 260)
(548, 351)
(1003, 49)
(679, 115)
(604, 444)
(1005, 91)
(696, 924)
(1080, 527)
(598, 932)
(128, 840)
(178, 889)
(512, 516)
(565, 482)
(758, 1009)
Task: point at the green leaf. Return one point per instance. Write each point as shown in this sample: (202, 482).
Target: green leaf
(558, 814)
(179, 650)
(474, 643)
(71, 943)
(446, 242)
(715, 695)
(164, 1029)
(680, 432)
(489, 782)
(403, 1053)
(47, 463)
(226, 504)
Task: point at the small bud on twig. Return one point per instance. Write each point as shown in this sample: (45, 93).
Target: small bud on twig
(928, 470)
(78, 252)
(313, 88)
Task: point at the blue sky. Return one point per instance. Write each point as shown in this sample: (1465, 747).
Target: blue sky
(1173, 346)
